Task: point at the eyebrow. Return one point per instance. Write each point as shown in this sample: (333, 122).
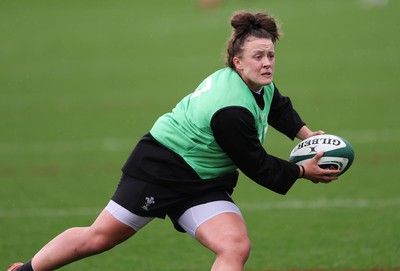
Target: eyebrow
(262, 51)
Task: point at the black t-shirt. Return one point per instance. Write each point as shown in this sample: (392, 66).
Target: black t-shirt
(234, 130)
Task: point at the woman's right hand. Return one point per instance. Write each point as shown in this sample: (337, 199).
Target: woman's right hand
(316, 174)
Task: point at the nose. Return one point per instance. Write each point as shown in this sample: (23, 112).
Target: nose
(266, 64)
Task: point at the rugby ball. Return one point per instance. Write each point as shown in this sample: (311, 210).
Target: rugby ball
(338, 152)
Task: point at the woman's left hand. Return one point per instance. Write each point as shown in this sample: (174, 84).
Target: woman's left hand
(305, 132)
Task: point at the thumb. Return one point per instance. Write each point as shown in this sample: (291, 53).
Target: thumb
(318, 156)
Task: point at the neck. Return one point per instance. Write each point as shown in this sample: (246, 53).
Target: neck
(256, 89)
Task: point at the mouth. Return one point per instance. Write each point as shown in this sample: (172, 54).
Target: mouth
(267, 74)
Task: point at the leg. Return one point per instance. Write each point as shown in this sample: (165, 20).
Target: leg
(77, 243)
(115, 224)
(226, 235)
(220, 227)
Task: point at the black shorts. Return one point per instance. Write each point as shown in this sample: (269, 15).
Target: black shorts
(154, 200)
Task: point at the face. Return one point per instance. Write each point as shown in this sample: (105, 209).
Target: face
(256, 64)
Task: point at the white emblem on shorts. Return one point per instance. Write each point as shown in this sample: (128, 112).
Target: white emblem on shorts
(149, 201)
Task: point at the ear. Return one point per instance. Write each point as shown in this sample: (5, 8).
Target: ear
(237, 63)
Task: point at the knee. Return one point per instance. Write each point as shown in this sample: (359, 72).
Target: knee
(96, 242)
(237, 247)
(101, 243)
(243, 247)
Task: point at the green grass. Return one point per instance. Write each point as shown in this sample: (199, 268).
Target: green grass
(81, 81)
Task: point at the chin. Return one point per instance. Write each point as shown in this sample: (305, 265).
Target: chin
(267, 82)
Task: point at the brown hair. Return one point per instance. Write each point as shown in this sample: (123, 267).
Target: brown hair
(245, 25)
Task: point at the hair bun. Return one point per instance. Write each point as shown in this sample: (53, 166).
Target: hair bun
(244, 22)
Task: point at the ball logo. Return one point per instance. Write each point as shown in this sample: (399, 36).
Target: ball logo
(317, 141)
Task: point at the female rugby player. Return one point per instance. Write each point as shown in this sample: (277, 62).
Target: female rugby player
(186, 166)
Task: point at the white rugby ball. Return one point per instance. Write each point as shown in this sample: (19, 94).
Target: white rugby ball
(338, 152)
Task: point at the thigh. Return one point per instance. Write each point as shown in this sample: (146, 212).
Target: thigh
(108, 229)
(193, 218)
(127, 217)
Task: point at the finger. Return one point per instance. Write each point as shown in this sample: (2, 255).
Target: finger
(332, 172)
(318, 155)
(327, 178)
(319, 132)
(331, 178)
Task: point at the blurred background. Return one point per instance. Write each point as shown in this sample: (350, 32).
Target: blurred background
(82, 81)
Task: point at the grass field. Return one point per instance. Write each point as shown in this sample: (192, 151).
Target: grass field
(81, 81)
